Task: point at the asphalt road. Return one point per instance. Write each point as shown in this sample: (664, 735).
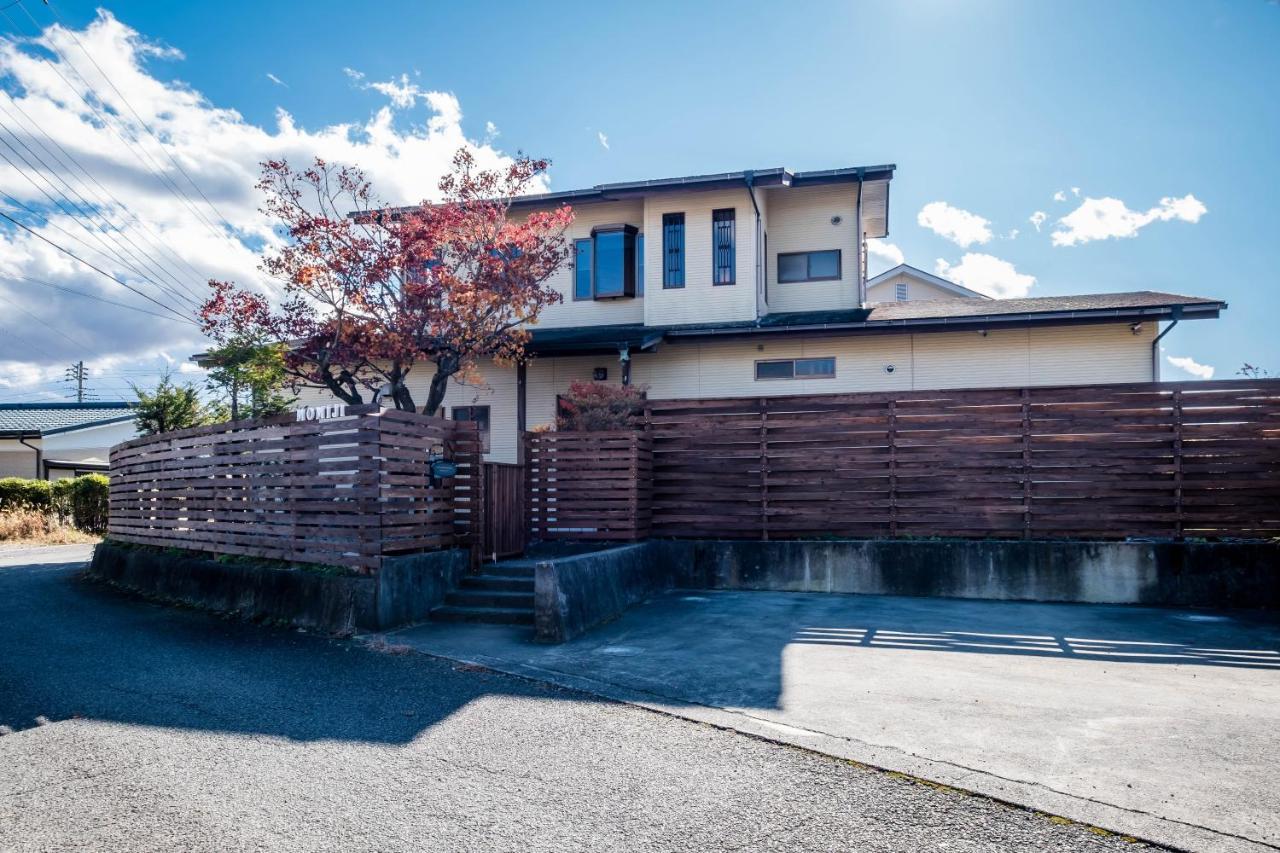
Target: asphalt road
(131, 726)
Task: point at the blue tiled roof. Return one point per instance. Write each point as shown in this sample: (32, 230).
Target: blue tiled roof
(43, 418)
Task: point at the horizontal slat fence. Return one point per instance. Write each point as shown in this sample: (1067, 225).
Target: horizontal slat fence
(588, 485)
(1168, 460)
(346, 491)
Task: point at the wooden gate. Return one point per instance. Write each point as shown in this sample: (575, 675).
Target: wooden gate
(503, 531)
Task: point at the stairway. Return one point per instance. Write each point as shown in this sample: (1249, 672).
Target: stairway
(502, 594)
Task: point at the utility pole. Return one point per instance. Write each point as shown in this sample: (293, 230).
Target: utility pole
(77, 374)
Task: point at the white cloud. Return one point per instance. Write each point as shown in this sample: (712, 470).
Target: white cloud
(1012, 235)
(604, 140)
(1189, 365)
(404, 154)
(1060, 196)
(882, 255)
(1104, 218)
(1038, 218)
(491, 131)
(987, 274)
(959, 226)
(274, 79)
(1075, 191)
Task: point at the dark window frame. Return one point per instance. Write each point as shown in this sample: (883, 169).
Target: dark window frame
(486, 431)
(628, 263)
(839, 253)
(724, 258)
(673, 265)
(793, 362)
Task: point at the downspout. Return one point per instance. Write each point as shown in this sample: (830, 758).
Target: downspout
(749, 178)
(1176, 314)
(857, 245)
(39, 456)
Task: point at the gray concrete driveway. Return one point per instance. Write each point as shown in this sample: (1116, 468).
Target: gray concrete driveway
(132, 726)
(1161, 723)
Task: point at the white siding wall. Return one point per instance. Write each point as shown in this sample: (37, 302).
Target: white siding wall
(591, 312)
(886, 291)
(16, 460)
(88, 445)
(1063, 355)
(699, 301)
(800, 221)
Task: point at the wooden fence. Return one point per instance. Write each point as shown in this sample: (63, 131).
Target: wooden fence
(588, 485)
(346, 491)
(1169, 460)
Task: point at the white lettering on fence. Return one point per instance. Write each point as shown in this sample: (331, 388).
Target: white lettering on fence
(321, 413)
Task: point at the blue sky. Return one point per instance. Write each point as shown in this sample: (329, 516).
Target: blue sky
(989, 107)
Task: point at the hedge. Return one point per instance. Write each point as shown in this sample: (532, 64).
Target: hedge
(79, 500)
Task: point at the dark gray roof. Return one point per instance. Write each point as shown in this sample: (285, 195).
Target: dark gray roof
(772, 177)
(30, 419)
(924, 316)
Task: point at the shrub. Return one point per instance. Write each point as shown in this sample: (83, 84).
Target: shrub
(597, 406)
(29, 525)
(17, 493)
(82, 501)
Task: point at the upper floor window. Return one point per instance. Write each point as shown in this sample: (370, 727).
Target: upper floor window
(797, 368)
(809, 266)
(605, 266)
(722, 262)
(673, 250)
(900, 290)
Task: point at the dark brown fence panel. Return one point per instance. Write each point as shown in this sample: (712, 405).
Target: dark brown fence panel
(588, 485)
(503, 534)
(1162, 460)
(342, 492)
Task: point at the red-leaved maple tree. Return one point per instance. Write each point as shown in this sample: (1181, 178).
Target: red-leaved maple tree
(370, 292)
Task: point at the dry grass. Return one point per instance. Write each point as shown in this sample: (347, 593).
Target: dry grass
(28, 527)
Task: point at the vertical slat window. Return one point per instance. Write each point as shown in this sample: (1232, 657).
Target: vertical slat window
(722, 249)
(582, 264)
(639, 265)
(673, 250)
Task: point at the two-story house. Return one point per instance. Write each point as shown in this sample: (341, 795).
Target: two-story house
(754, 283)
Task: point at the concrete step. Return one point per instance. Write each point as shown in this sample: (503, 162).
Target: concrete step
(492, 615)
(489, 598)
(497, 583)
(511, 568)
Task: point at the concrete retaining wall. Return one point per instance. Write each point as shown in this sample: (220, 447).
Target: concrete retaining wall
(573, 594)
(1222, 574)
(404, 591)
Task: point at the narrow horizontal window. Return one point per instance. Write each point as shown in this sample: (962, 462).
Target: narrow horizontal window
(672, 250)
(809, 266)
(797, 368)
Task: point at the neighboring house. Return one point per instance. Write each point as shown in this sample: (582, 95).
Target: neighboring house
(50, 441)
(753, 283)
(905, 283)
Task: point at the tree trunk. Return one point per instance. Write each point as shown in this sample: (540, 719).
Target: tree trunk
(343, 387)
(439, 385)
(403, 398)
(235, 400)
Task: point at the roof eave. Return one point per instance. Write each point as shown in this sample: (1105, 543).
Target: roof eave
(939, 324)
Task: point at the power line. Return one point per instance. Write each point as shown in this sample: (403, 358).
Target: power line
(156, 239)
(95, 297)
(50, 223)
(94, 208)
(96, 269)
(113, 252)
(112, 84)
(45, 323)
(137, 150)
